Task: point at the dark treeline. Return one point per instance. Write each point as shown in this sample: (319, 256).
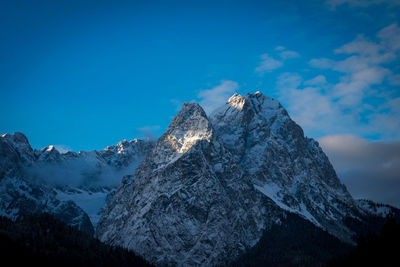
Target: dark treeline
(45, 241)
(375, 249)
(296, 242)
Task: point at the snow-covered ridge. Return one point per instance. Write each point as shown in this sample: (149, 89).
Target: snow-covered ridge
(83, 179)
(371, 208)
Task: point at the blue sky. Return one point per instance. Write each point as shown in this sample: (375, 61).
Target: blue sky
(87, 74)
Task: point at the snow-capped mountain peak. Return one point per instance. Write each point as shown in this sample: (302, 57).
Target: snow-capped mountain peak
(284, 165)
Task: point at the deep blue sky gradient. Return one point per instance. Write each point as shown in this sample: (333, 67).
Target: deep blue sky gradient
(87, 74)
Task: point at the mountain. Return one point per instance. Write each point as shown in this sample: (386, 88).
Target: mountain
(213, 186)
(73, 187)
(240, 185)
(284, 165)
(188, 203)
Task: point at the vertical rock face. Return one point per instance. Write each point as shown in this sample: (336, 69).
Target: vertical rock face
(281, 163)
(189, 203)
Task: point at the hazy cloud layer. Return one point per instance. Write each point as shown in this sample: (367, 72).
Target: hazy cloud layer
(215, 97)
(78, 172)
(369, 169)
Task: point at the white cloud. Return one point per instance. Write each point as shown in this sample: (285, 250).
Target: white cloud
(309, 106)
(289, 54)
(369, 169)
(388, 119)
(280, 48)
(217, 96)
(318, 80)
(322, 63)
(390, 37)
(268, 64)
(289, 80)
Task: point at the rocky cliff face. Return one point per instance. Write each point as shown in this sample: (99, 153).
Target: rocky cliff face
(211, 186)
(284, 165)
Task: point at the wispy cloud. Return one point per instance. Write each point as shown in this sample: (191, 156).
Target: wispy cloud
(317, 80)
(309, 106)
(268, 64)
(217, 96)
(289, 54)
(280, 48)
(369, 169)
(359, 101)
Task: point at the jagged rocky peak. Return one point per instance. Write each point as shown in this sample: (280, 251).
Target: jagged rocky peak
(17, 144)
(123, 146)
(49, 153)
(283, 164)
(16, 137)
(237, 101)
(248, 120)
(188, 127)
(191, 119)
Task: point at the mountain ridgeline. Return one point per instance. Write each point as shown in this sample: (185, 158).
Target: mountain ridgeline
(241, 184)
(212, 186)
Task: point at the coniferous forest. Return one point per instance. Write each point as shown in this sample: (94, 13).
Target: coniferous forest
(45, 241)
(375, 249)
(41, 239)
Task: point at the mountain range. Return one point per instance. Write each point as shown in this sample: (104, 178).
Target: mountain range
(210, 189)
